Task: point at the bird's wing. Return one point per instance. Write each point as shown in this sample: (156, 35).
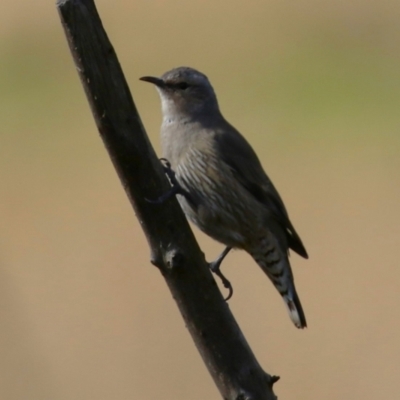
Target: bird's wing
(241, 158)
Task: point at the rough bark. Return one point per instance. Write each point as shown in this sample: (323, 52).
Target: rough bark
(174, 249)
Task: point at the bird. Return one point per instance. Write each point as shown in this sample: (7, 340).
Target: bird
(224, 189)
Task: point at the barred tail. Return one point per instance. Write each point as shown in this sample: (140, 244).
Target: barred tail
(277, 267)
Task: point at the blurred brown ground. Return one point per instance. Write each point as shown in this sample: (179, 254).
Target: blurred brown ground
(315, 87)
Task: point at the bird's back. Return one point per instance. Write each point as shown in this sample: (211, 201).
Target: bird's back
(218, 166)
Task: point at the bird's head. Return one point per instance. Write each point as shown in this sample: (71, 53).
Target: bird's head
(184, 90)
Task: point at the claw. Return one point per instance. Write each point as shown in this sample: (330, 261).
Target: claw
(168, 170)
(164, 197)
(225, 282)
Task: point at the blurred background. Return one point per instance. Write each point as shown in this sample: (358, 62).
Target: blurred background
(315, 87)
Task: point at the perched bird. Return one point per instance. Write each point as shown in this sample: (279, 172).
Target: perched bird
(230, 197)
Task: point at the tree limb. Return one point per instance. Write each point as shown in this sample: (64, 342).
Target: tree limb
(174, 249)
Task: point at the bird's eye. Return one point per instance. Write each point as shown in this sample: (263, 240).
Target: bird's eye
(182, 85)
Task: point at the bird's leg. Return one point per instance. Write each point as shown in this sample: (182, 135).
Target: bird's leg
(215, 268)
(176, 188)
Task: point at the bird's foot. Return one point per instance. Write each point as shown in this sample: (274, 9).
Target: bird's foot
(176, 188)
(215, 267)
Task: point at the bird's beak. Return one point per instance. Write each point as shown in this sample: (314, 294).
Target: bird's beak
(156, 81)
